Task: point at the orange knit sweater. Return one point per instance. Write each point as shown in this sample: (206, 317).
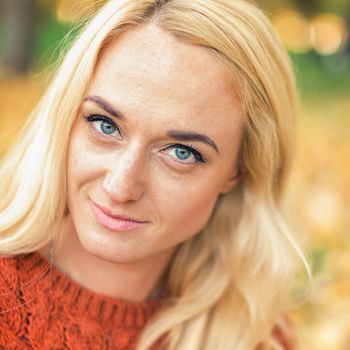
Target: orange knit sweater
(41, 308)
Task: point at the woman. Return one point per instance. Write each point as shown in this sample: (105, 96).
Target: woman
(141, 205)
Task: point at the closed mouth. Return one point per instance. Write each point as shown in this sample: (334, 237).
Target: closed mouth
(115, 222)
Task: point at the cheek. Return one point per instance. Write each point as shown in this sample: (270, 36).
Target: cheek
(80, 167)
(84, 165)
(78, 170)
(188, 211)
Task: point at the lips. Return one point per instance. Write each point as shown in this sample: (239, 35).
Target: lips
(113, 222)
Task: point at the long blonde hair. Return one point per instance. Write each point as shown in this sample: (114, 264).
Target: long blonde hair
(228, 284)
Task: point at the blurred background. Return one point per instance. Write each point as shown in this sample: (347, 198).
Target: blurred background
(34, 33)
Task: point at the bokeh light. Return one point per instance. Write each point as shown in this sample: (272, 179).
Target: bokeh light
(327, 33)
(294, 30)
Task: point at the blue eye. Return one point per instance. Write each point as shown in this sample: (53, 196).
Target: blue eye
(182, 153)
(107, 128)
(186, 154)
(103, 124)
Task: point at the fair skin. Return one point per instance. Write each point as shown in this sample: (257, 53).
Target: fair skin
(122, 161)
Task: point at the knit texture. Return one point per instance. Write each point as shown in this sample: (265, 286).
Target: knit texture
(42, 308)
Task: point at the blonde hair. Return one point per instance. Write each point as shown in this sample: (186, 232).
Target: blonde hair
(229, 283)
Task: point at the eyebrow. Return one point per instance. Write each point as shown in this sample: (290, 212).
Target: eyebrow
(105, 106)
(192, 136)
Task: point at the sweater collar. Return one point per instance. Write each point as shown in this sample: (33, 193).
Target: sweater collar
(41, 278)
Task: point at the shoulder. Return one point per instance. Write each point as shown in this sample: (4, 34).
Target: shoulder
(16, 275)
(9, 285)
(9, 274)
(11, 315)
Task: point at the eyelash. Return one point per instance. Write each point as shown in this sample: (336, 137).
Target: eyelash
(96, 117)
(198, 156)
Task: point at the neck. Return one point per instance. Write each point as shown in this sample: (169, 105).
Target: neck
(135, 281)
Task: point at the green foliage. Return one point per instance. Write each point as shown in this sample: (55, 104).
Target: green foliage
(317, 258)
(51, 38)
(1, 37)
(322, 74)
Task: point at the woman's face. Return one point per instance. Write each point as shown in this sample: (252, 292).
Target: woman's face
(156, 140)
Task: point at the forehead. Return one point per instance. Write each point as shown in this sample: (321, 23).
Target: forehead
(149, 71)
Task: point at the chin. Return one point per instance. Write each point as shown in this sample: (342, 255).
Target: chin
(114, 251)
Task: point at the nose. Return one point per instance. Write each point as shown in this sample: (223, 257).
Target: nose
(124, 180)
